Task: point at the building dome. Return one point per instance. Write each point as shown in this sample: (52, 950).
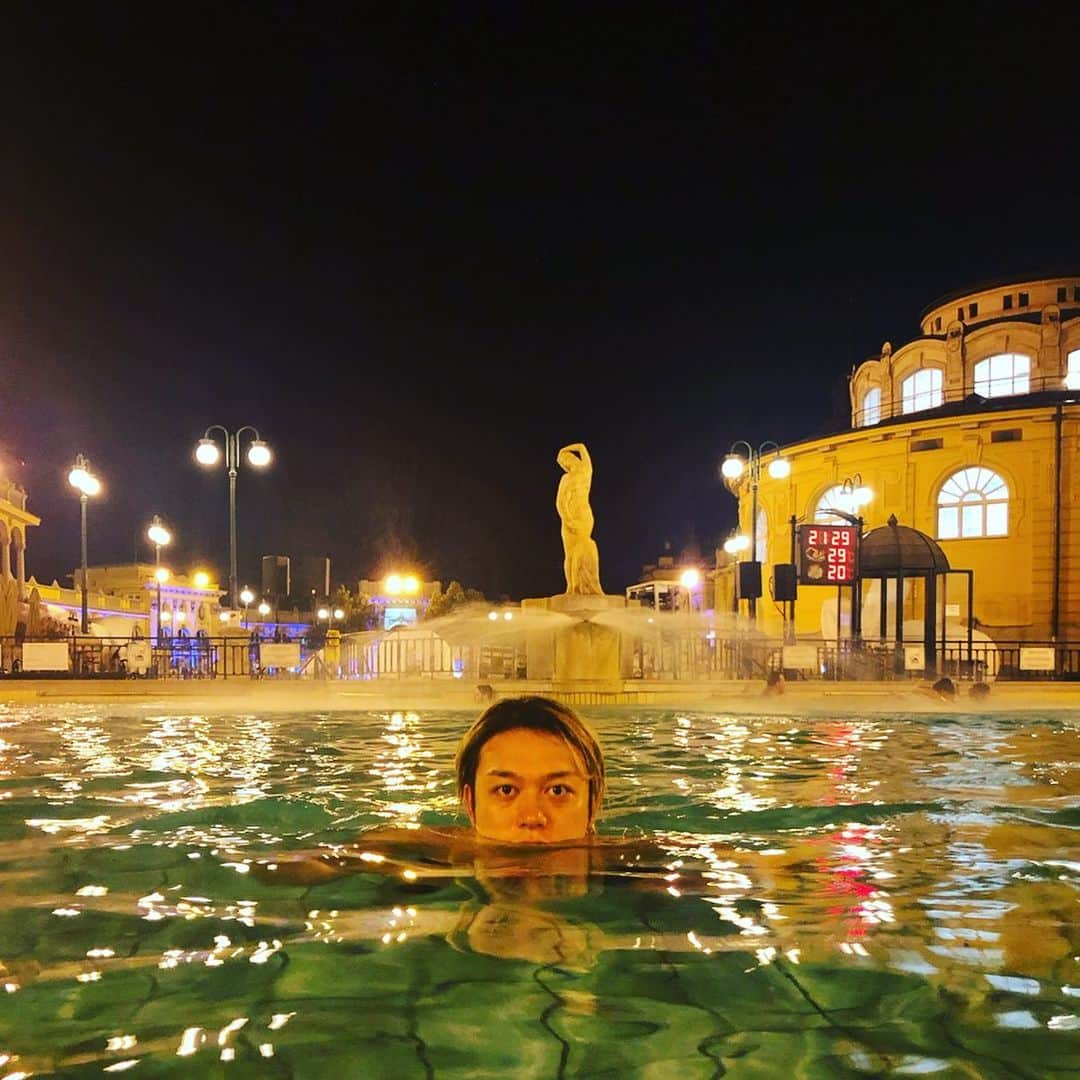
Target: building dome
(894, 548)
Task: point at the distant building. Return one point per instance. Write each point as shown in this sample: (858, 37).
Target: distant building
(402, 598)
(122, 599)
(311, 576)
(661, 585)
(15, 519)
(275, 577)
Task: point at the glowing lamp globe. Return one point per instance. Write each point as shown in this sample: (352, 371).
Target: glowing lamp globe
(207, 452)
(201, 579)
(324, 613)
(246, 596)
(780, 468)
(259, 454)
(733, 467)
(159, 535)
(690, 578)
(264, 608)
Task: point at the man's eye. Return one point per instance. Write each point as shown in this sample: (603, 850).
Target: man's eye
(504, 789)
(559, 790)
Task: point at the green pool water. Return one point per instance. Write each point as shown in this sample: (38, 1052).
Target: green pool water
(834, 897)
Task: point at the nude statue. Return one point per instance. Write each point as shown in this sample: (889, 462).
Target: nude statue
(581, 558)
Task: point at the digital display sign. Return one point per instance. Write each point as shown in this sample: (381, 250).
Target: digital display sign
(828, 554)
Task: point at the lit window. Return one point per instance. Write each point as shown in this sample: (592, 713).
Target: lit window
(837, 498)
(1002, 375)
(1072, 376)
(922, 390)
(973, 502)
(871, 407)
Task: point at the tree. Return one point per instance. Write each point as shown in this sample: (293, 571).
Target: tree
(443, 603)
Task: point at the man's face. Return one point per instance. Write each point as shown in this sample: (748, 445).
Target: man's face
(530, 789)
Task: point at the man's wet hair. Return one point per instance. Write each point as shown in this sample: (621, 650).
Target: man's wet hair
(540, 714)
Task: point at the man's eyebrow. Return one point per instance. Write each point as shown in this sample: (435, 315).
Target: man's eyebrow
(507, 774)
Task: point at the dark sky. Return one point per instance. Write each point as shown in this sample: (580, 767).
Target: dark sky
(423, 251)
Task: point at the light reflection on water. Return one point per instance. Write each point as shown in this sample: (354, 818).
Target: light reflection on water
(863, 896)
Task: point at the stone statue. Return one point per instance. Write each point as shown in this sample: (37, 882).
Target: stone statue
(582, 559)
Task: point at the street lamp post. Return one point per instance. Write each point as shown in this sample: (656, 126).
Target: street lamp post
(329, 614)
(158, 535)
(246, 596)
(208, 453)
(733, 467)
(87, 484)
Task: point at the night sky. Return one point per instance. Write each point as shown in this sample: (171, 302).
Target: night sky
(421, 252)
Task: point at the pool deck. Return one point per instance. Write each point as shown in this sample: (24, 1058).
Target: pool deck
(729, 695)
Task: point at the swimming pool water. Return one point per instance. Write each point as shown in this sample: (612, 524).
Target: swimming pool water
(835, 896)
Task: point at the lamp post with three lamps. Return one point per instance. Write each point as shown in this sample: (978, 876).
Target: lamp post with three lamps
(733, 467)
(86, 484)
(208, 453)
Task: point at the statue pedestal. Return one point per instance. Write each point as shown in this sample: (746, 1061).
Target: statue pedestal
(582, 651)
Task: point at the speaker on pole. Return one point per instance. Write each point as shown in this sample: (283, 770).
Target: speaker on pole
(785, 586)
(749, 580)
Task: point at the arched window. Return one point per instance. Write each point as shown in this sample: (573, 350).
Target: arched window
(837, 498)
(922, 390)
(1072, 377)
(1003, 375)
(871, 407)
(973, 502)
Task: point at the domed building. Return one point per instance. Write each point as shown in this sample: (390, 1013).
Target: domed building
(969, 434)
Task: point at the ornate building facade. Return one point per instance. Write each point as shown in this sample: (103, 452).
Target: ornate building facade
(969, 433)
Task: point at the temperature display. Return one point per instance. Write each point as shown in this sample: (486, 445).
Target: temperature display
(828, 554)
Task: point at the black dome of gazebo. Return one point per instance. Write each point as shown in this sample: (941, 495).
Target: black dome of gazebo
(898, 549)
(897, 553)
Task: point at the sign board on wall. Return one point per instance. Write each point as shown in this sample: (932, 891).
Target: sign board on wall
(45, 656)
(828, 554)
(277, 654)
(1037, 658)
(914, 657)
(801, 657)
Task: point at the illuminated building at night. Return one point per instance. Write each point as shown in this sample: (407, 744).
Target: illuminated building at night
(15, 519)
(401, 598)
(970, 434)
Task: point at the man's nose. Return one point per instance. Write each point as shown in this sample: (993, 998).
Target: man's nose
(530, 813)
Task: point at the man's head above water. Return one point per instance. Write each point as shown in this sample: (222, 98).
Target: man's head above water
(530, 772)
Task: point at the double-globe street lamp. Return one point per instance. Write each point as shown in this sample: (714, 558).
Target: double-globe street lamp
(735, 464)
(208, 453)
(82, 479)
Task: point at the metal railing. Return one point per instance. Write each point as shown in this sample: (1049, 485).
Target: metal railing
(178, 657)
(666, 656)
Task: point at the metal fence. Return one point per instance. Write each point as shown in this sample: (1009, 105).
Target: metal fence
(663, 656)
(178, 657)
